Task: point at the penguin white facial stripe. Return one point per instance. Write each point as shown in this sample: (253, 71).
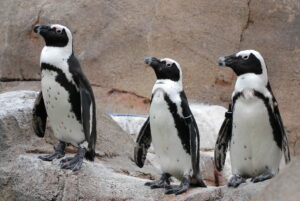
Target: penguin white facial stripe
(61, 28)
(264, 76)
(168, 62)
(244, 53)
(171, 61)
(248, 52)
(57, 28)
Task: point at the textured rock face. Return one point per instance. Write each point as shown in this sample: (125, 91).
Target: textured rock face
(209, 119)
(111, 38)
(112, 176)
(286, 184)
(15, 120)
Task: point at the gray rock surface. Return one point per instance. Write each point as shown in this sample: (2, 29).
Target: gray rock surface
(285, 186)
(209, 119)
(29, 179)
(113, 175)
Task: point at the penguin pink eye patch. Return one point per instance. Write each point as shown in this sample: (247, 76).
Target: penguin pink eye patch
(57, 28)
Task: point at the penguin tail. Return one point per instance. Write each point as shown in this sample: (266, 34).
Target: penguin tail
(198, 182)
(201, 184)
(90, 154)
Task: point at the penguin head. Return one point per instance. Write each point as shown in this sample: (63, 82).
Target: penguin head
(165, 69)
(245, 62)
(55, 35)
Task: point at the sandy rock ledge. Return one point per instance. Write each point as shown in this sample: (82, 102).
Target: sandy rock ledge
(113, 175)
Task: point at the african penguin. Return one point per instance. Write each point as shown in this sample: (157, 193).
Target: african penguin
(172, 129)
(253, 128)
(66, 98)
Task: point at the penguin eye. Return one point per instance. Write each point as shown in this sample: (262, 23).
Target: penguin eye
(245, 57)
(169, 65)
(58, 31)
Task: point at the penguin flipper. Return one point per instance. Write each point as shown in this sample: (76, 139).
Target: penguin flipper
(285, 145)
(39, 116)
(278, 120)
(223, 140)
(88, 118)
(88, 106)
(194, 141)
(194, 150)
(143, 143)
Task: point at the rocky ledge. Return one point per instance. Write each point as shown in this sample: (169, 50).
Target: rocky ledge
(113, 175)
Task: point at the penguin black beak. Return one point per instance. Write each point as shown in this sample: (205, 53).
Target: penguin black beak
(41, 28)
(152, 61)
(221, 61)
(228, 61)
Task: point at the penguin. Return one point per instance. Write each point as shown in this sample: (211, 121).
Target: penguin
(253, 128)
(172, 129)
(66, 99)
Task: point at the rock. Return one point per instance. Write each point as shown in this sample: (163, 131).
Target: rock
(285, 186)
(33, 179)
(209, 119)
(243, 193)
(111, 47)
(15, 122)
(29, 179)
(131, 124)
(20, 168)
(112, 176)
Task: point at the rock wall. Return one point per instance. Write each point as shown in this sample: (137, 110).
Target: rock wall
(286, 185)
(111, 38)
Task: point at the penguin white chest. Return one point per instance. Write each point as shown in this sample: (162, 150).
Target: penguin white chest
(63, 120)
(166, 142)
(253, 150)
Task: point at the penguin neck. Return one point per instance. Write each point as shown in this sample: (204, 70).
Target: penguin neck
(251, 81)
(168, 85)
(55, 55)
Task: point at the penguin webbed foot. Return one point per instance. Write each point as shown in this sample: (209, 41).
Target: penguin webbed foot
(59, 153)
(178, 189)
(73, 163)
(199, 183)
(262, 177)
(235, 181)
(163, 182)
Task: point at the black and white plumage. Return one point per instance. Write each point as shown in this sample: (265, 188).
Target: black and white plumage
(66, 99)
(172, 130)
(252, 129)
